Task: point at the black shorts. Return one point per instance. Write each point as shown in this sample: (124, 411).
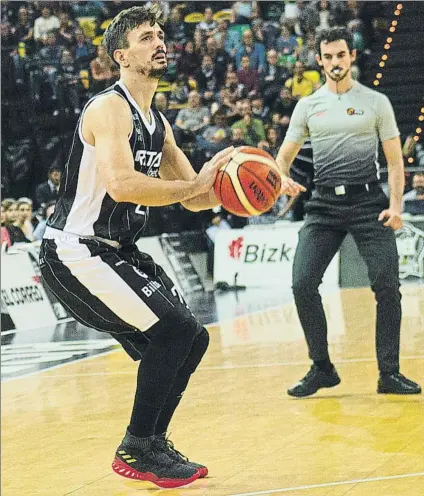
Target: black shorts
(120, 291)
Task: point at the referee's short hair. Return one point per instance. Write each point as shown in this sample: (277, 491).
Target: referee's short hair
(116, 34)
(333, 34)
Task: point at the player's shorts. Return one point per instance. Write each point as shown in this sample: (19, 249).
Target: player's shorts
(117, 290)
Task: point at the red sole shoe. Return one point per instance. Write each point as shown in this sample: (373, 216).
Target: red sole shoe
(124, 470)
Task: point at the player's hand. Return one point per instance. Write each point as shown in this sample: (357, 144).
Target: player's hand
(290, 187)
(206, 177)
(394, 218)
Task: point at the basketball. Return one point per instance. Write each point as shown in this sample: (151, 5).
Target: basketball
(249, 184)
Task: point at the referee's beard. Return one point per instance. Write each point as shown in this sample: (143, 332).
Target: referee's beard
(337, 77)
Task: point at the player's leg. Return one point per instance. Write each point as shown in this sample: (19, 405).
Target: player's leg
(318, 243)
(377, 246)
(90, 286)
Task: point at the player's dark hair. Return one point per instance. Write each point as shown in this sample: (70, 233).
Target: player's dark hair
(116, 34)
(333, 34)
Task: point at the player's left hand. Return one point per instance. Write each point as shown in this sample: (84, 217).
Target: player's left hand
(394, 218)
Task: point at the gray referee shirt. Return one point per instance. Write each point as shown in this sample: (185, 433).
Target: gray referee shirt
(344, 130)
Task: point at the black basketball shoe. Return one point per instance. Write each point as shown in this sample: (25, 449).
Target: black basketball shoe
(154, 465)
(165, 445)
(315, 379)
(397, 383)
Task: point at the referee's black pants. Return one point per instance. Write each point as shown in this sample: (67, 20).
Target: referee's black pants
(329, 218)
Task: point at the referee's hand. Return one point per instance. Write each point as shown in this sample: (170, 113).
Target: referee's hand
(394, 218)
(290, 187)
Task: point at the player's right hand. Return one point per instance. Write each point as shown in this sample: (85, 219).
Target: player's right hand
(206, 177)
(290, 187)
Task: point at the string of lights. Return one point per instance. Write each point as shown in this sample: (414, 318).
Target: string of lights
(418, 131)
(388, 43)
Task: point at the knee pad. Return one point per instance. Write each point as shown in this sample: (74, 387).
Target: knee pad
(198, 349)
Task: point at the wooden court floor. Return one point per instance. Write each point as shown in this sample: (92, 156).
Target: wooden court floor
(60, 428)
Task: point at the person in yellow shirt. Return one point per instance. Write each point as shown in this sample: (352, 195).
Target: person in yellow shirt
(300, 84)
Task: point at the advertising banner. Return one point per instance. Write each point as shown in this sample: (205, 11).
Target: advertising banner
(23, 294)
(256, 257)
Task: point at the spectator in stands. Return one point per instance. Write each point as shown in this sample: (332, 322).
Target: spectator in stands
(161, 103)
(417, 191)
(215, 137)
(172, 56)
(14, 233)
(307, 53)
(208, 26)
(235, 89)
(41, 227)
(66, 33)
(24, 32)
(259, 111)
(50, 59)
(69, 83)
(300, 85)
(241, 12)
(189, 61)
(284, 105)
(226, 39)
(175, 28)
(219, 57)
(209, 78)
(199, 43)
(24, 217)
(253, 129)
(4, 234)
(272, 79)
(248, 77)
(45, 24)
(255, 52)
(265, 33)
(191, 120)
(103, 71)
(83, 50)
(287, 43)
(48, 191)
(89, 9)
(274, 140)
(180, 89)
(320, 15)
(237, 137)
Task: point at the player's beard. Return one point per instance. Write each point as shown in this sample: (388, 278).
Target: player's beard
(152, 72)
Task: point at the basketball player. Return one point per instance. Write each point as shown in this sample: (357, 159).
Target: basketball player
(124, 159)
(344, 121)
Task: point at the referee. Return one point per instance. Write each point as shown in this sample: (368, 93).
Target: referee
(344, 121)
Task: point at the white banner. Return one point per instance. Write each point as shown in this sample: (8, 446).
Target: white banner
(261, 256)
(23, 293)
(410, 245)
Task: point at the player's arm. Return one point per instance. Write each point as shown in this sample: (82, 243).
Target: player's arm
(175, 165)
(107, 124)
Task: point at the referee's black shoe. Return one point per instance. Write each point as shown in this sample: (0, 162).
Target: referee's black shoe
(397, 383)
(315, 379)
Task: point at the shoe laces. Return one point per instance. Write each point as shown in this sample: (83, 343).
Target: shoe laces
(169, 446)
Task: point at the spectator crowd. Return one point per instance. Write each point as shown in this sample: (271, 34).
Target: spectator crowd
(235, 73)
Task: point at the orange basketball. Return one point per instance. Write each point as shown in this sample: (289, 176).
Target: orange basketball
(249, 184)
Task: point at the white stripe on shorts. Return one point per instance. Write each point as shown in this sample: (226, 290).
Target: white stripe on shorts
(104, 283)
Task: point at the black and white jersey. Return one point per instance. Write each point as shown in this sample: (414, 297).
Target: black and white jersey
(84, 207)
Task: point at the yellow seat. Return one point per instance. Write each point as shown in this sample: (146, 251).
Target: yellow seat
(164, 87)
(194, 18)
(98, 40)
(106, 23)
(222, 14)
(88, 26)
